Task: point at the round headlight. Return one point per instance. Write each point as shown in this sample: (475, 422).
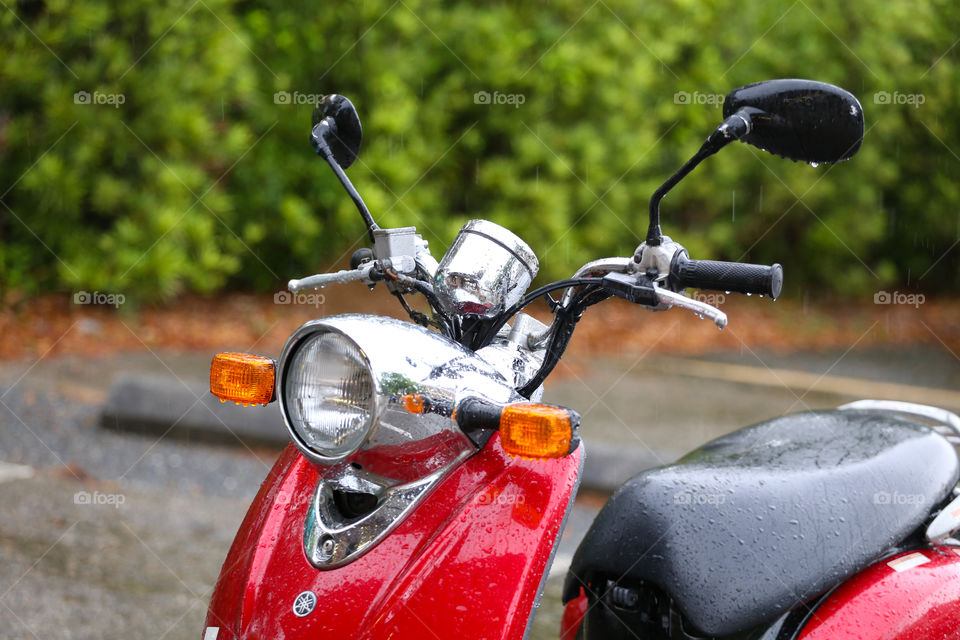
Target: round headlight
(329, 395)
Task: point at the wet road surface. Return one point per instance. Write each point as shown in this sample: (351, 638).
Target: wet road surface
(106, 534)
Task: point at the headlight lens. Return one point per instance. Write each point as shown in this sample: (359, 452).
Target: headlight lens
(329, 394)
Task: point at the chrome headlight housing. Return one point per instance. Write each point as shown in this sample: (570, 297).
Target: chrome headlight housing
(343, 383)
(369, 401)
(328, 395)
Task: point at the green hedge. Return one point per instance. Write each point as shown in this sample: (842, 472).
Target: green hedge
(203, 178)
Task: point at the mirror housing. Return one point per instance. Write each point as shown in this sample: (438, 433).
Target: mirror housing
(335, 122)
(801, 120)
(336, 137)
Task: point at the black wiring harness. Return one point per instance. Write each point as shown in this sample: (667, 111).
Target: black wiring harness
(565, 321)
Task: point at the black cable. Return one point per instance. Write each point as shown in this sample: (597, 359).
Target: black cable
(424, 288)
(527, 299)
(547, 288)
(553, 304)
(564, 326)
(420, 318)
(592, 297)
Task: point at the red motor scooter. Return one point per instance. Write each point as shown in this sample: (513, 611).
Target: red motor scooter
(426, 486)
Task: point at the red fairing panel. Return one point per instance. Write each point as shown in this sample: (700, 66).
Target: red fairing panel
(920, 601)
(467, 563)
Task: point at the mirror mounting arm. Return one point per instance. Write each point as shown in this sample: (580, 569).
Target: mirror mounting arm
(732, 128)
(319, 142)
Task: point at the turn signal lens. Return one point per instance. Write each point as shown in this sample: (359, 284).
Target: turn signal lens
(413, 403)
(242, 378)
(538, 430)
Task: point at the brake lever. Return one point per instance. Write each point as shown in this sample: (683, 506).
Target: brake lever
(644, 290)
(702, 309)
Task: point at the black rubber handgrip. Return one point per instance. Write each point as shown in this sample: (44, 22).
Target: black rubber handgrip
(727, 276)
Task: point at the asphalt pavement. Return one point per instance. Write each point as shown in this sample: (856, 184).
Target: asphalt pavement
(111, 533)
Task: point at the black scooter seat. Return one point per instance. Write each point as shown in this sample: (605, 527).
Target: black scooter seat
(763, 519)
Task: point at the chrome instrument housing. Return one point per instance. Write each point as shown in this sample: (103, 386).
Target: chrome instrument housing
(486, 270)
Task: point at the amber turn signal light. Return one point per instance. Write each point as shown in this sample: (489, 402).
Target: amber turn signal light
(413, 403)
(242, 378)
(538, 430)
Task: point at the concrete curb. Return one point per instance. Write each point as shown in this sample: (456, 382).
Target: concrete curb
(161, 407)
(607, 466)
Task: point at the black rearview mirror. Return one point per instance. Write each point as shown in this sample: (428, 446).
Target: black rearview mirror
(800, 119)
(342, 132)
(336, 137)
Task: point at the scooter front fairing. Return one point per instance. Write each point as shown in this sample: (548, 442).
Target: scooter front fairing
(469, 562)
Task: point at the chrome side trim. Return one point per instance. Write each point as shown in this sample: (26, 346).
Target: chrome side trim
(936, 414)
(331, 541)
(945, 524)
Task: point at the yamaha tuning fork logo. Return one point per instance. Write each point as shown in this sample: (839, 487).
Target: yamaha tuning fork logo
(304, 603)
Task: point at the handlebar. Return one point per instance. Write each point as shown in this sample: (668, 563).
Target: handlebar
(324, 279)
(727, 276)
(366, 272)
